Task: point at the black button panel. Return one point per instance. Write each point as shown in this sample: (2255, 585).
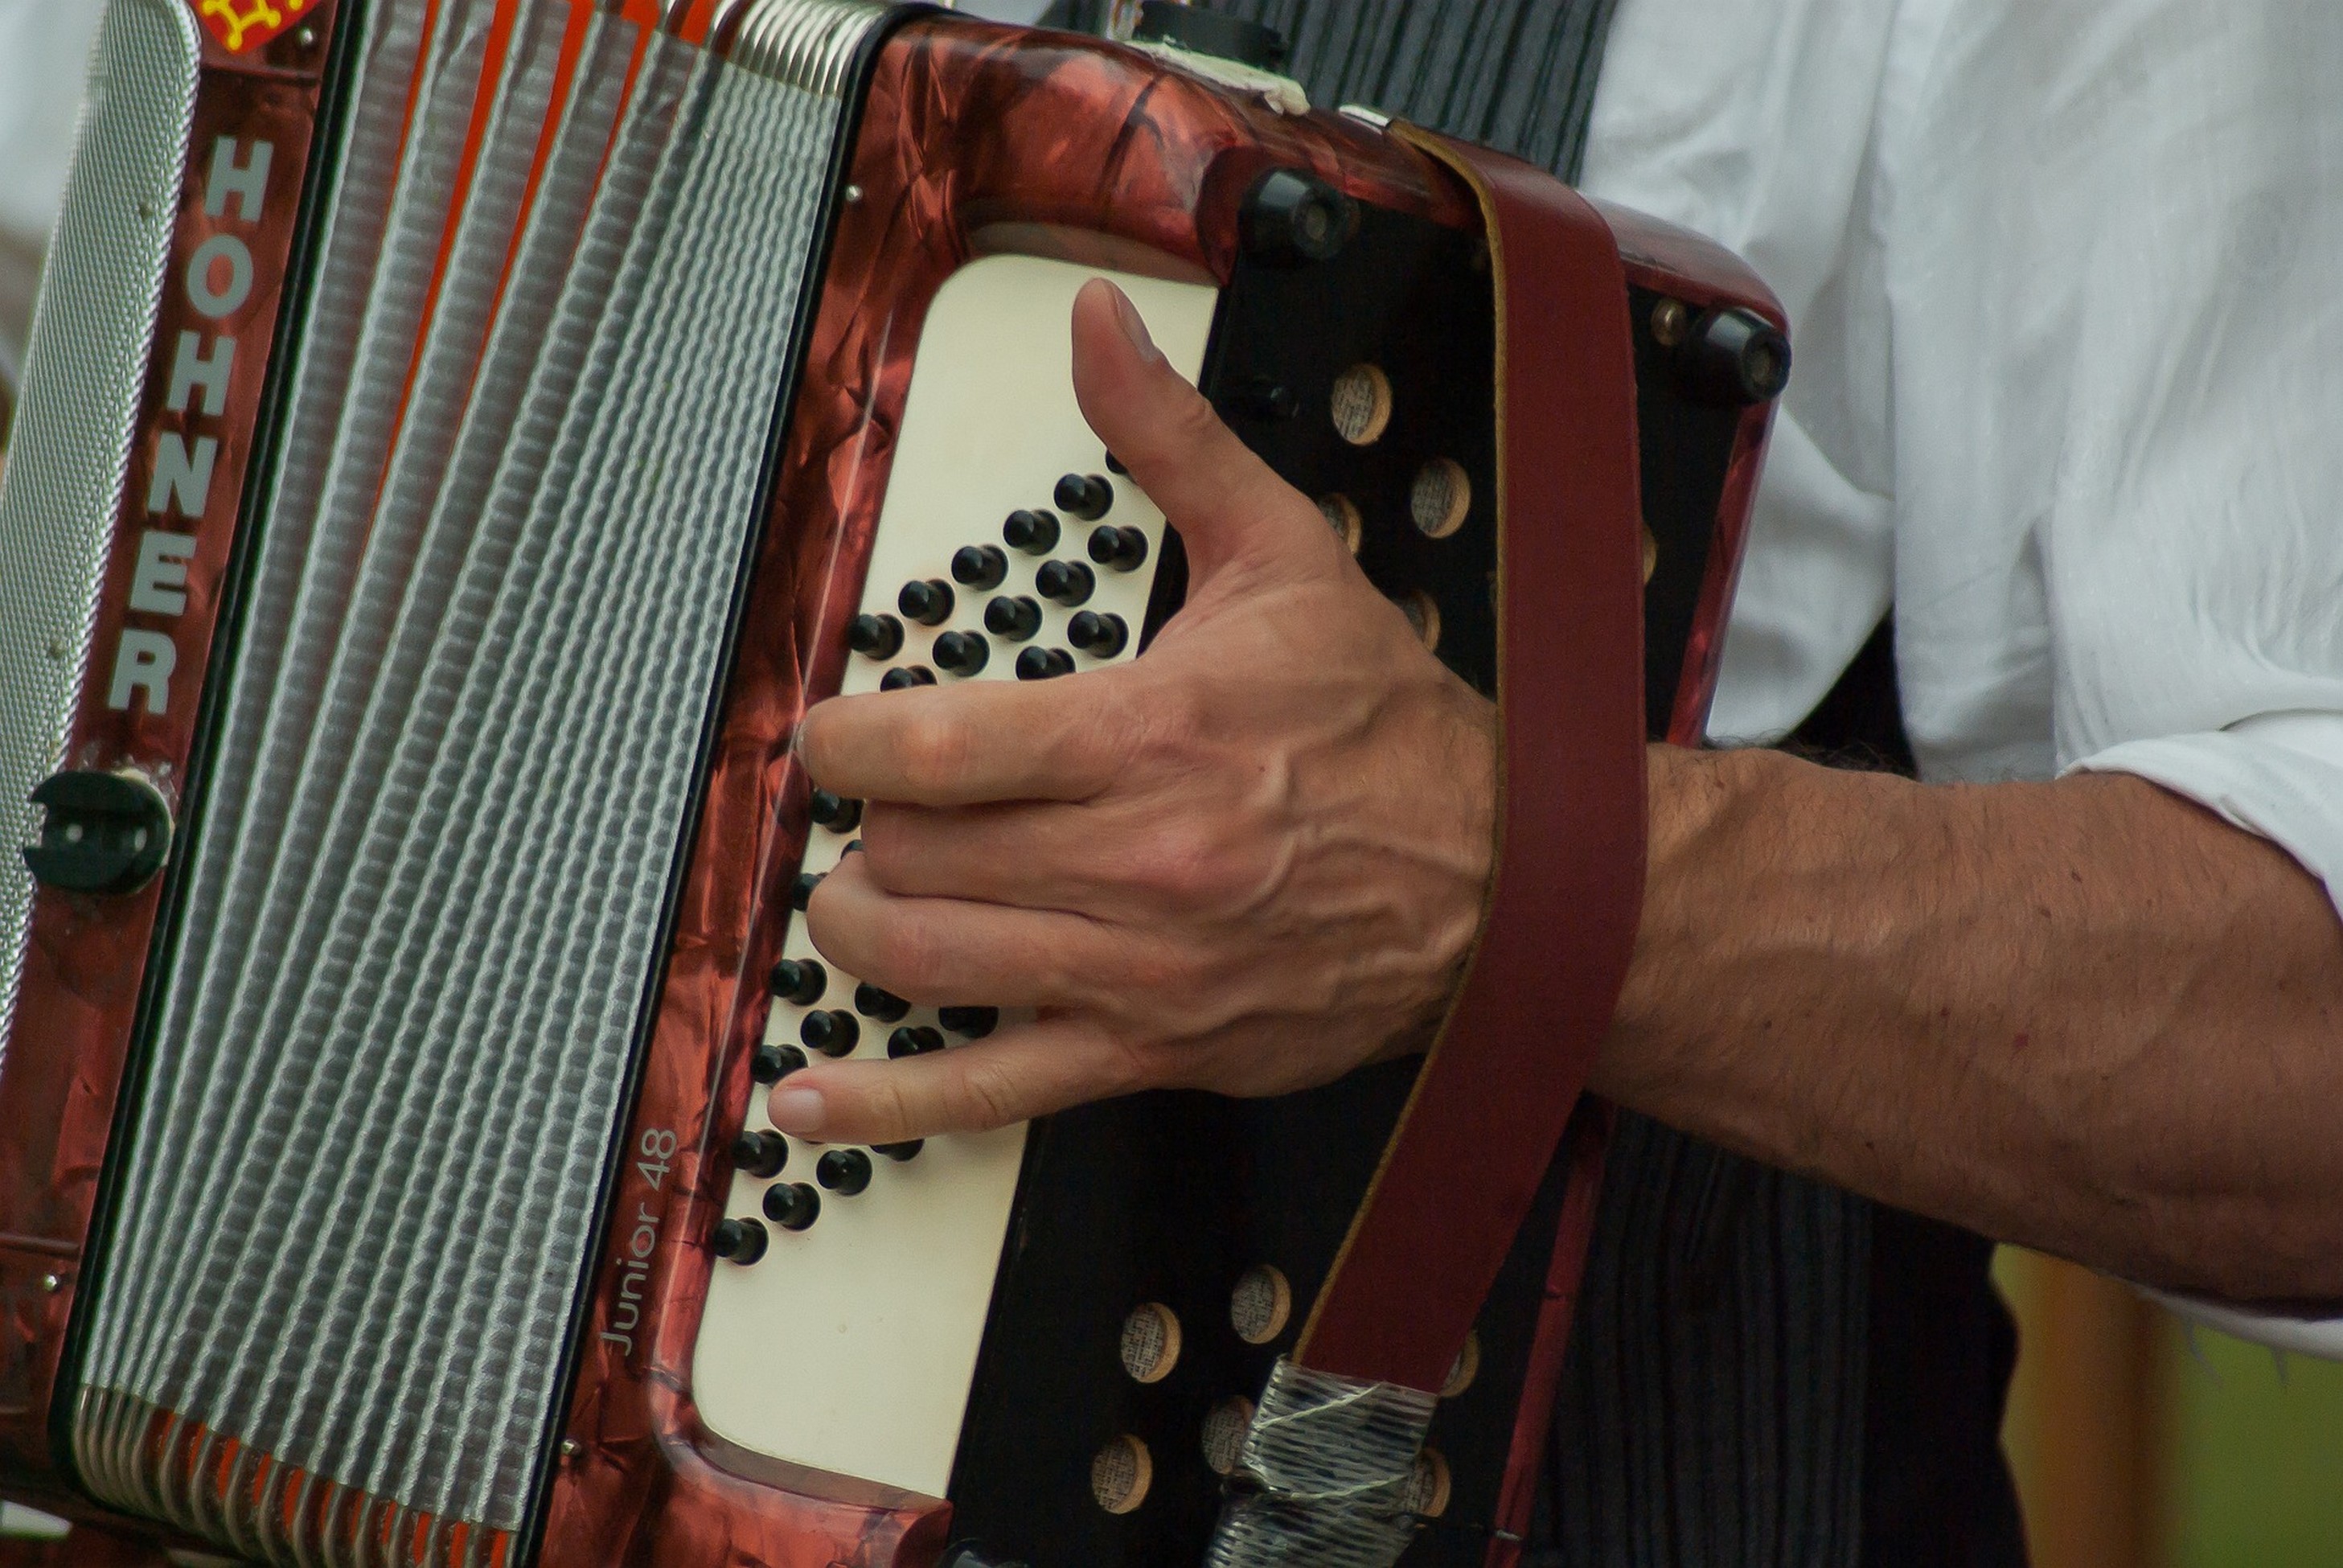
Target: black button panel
(1069, 571)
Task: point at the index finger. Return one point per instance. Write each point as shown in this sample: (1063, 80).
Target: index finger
(972, 744)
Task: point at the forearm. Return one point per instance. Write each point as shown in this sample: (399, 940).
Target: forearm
(2085, 1016)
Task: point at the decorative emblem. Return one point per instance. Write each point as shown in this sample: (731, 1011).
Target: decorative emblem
(242, 25)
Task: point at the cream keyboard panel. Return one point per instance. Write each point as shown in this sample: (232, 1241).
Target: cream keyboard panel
(849, 1345)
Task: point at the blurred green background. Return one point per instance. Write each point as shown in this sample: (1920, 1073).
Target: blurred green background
(2140, 1443)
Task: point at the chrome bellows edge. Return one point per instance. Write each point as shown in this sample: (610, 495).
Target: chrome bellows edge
(807, 43)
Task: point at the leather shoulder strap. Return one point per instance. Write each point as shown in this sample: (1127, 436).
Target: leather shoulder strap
(1499, 1085)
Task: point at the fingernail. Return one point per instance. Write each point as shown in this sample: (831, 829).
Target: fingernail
(1133, 327)
(798, 1110)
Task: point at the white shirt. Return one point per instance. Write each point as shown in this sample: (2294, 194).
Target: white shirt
(44, 46)
(2063, 285)
(2062, 282)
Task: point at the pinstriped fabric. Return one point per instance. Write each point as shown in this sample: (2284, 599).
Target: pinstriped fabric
(1516, 75)
(1712, 1410)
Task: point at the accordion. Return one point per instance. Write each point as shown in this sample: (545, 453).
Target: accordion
(459, 440)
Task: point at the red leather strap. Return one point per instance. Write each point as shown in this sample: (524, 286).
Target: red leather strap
(1499, 1086)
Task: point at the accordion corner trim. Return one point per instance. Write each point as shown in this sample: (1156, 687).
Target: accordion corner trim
(241, 26)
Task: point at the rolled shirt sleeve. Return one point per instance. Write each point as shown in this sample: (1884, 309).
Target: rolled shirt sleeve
(2062, 282)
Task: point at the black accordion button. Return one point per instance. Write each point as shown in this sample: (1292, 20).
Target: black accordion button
(1100, 636)
(741, 1242)
(792, 1205)
(800, 981)
(929, 602)
(1032, 533)
(1119, 550)
(1068, 583)
(971, 1022)
(983, 566)
(1089, 497)
(1044, 664)
(760, 1154)
(772, 1063)
(845, 1172)
(913, 1041)
(908, 675)
(1012, 620)
(875, 636)
(840, 815)
(871, 1001)
(962, 653)
(832, 1033)
(801, 891)
(900, 1152)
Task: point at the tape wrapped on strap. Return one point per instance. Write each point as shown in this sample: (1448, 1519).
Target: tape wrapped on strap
(1326, 1474)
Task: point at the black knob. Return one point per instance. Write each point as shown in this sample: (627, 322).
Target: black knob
(792, 1205)
(929, 602)
(1291, 218)
(913, 1041)
(801, 891)
(844, 1172)
(1100, 636)
(1033, 533)
(875, 636)
(760, 1154)
(885, 1006)
(974, 1022)
(1114, 466)
(1124, 549)
(1044, 664)
(104, 833)
(1735, 356)
(830, 812)
(1068, 583)
(772, 1063)
(900, 1152)
(800, 981)
(907, 675)
(963, 653)
(1089, 497)
(1012, 620)
(830, 1032)
(980, 566)
(741, 1242)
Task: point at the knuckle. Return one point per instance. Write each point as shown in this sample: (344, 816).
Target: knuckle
(985, 1094)
(906, 955)
(933, 751)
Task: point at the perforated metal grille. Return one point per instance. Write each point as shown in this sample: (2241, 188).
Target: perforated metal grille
(454, 770)
(70, 451)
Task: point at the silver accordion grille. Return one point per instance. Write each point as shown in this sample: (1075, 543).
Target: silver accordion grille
(427, 886)
(71, 447)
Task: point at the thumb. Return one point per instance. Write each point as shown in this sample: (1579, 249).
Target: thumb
(1227, 504)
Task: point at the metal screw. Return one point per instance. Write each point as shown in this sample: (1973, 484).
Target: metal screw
(854, 195)
(571, 1448)
(52, 1283)
(1671, 323)
(307, 37)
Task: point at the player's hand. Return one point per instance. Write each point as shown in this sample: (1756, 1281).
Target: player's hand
(1249, 861)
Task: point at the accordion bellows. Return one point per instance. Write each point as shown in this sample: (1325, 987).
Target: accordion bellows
(486, 629)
